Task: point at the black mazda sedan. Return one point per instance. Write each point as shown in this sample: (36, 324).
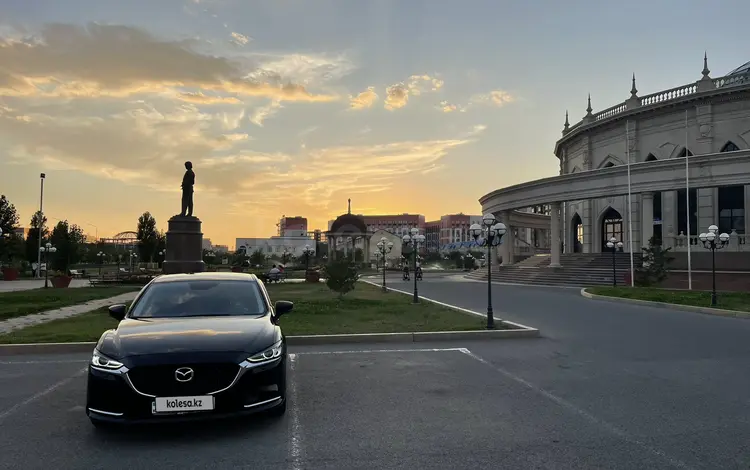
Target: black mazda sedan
(190, 346)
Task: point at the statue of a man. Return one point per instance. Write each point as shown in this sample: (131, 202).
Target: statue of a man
(187, 190)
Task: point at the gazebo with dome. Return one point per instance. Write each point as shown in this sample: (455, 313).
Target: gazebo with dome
(349, 228)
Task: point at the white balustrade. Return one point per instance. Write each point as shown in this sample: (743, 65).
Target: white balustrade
(679, 243)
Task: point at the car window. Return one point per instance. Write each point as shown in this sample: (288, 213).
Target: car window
(199, 298)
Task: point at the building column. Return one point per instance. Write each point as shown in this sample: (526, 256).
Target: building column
(331, 247)
(367, 249)
(647, 218)
(505, 248)
(555, 239)
(510, 239)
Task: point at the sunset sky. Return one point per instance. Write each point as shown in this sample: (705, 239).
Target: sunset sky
(293, 106)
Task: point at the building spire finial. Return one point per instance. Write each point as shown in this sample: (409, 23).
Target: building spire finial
(633, 89)
(567, 123)
(349, 211)
(588, 108)
(705, 65)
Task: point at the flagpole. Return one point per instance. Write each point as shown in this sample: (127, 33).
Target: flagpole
(687, 205)
(630, 207)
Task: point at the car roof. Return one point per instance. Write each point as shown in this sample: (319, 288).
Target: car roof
(206, 276)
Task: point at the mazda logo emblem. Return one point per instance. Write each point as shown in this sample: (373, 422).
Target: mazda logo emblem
(184, 374)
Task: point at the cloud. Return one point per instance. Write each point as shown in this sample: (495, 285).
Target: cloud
(111, 60)
(496, 98)
(397, 96)
(239, 39)
(305, 69)
(144, 144)
(200, 98)
(364, 100)
(264, 112)
(447, 107)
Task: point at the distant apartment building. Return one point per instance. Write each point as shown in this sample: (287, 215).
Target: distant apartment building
(454, 228)
(292, 226)
(432, 235)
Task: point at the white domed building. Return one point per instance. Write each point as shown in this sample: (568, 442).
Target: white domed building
(707, 120)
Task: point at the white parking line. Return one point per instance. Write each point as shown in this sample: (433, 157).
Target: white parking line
(295, 444)
(41, 394)
(582, 413)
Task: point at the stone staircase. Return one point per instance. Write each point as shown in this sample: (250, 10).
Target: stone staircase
(577, 270)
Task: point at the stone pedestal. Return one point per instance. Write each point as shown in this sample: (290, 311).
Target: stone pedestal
(184, 246)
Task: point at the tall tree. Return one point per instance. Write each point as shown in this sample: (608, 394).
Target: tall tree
(8, 223)
(8, 215)
(148, 237)
(32, 239)
(68, 239)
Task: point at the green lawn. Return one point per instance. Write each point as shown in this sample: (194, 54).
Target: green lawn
(316, 311)
(739, 301)
(19, 303)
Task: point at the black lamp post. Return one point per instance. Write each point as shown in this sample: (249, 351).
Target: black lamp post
(614, 245)
(713, 242)
(163, 255)
(100, 257)
(47, 249)
(491, 235)
(383, 248)
(411, 243)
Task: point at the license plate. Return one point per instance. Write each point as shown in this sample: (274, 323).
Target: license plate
(182, 404)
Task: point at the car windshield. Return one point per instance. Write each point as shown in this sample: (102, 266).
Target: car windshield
(199, 298)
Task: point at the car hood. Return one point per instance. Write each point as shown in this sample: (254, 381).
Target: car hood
(135, 337)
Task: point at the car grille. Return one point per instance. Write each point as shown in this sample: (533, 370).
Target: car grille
(161, 381)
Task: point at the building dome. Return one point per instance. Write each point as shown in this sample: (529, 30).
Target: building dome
(742, 69)
(349, 223)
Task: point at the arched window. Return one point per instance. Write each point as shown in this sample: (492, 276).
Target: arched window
(731, 202)
(611, 227)
(651, 158)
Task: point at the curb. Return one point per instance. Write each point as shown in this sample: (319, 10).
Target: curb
(690, 308)
(304, 340)
(528, 331)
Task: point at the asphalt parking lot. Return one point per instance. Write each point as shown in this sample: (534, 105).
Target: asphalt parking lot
(435, 405)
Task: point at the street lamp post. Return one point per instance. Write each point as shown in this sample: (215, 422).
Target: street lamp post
(710, 242)
(41, 225)
(47, 249)
(100, 255)
(383, 248)
(412, 242)
(613, 245)
(209, 258)
(163, 255)
(491, 235)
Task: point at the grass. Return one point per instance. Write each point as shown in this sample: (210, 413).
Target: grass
(316, 311)
(739, 301)
(25, 302)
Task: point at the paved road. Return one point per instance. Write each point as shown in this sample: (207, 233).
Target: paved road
(350, 408)
(609, 386)
(677, 380)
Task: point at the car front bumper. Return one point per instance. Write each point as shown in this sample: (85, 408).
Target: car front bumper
(113, 398)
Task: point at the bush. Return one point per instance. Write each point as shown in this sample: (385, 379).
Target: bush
(655, 265)
(341, 276)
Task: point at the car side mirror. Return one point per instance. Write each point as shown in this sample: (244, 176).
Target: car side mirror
(118, 311)
(281, 307)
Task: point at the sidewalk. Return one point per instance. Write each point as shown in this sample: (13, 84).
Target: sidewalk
(6, 326)
(28, 284)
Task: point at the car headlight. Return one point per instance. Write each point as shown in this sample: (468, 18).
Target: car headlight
(100, 361)
(274, 352)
